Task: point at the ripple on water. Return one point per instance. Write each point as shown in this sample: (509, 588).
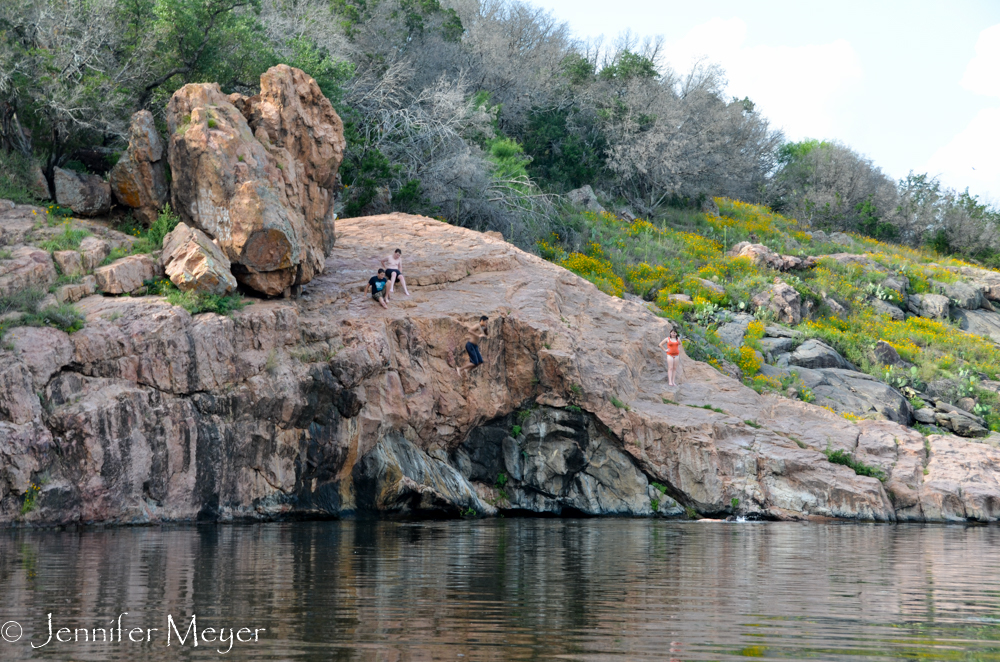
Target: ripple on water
(517, 589)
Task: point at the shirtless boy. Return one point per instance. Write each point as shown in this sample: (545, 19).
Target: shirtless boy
(393, 266)
(472, 338)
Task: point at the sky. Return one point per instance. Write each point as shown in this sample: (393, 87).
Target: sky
(912, 85)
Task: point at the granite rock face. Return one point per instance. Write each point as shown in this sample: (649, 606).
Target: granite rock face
(27, 268)
(87, 195)
(193, 262)
(782, 300)
(127, 274)
(330, 406)
(263, 192)
(139, 179)
(934, 306)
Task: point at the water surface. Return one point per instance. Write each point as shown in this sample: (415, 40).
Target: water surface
(515, 589)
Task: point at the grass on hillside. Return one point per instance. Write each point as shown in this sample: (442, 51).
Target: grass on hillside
(22, 309)
(685, 253)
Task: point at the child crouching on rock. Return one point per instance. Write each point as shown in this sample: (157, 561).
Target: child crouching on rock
(377, 284)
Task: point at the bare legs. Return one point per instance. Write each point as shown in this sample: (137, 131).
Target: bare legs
(672, 362)
(381, 301)
(402, 281)
(468, 367)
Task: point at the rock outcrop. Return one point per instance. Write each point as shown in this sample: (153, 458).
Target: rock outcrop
(263, 192)
(139, 179)
(193, 262)
(763, 256)
(87, 195)
(127, 274)
(980, 323)
(329, 406)
(817, 354)
(585, 198)
(27, 268)
(934, 306)
(782, 300)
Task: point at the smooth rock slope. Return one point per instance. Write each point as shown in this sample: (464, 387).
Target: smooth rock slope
(329, 406)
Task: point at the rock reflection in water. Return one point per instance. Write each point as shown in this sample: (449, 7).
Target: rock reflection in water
(513, 590)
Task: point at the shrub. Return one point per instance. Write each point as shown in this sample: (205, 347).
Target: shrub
(860, 468)
(748, 361)
(16, 177)
(207, 303)
(64, 317)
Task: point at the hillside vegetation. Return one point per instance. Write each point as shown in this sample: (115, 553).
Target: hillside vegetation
(480, 112)
(848, 298)
(486, 114)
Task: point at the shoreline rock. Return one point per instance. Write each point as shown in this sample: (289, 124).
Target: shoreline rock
(327, 406)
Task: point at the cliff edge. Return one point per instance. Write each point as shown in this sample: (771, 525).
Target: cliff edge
(329, 406)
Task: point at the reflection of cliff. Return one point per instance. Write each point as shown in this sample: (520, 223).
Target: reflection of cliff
(519, 589)
(328, 406)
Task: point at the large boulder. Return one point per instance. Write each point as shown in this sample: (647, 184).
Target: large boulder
(70, 263)
(139, 179)
(817, 354)
(944, 390)
(307, 136)
(851, 392)
(40, 185)
(86, 195)
(733, 331)
(782, 300)
(93, 251)
(762, 256)
(193, 262)
(263, 193)
(886, 354)
(585, 198)
(127, 274)
(777, 346)
(934, 306)
(885, 308)
(73, 292)
(964, 295)
(986, 281)
(979, 322)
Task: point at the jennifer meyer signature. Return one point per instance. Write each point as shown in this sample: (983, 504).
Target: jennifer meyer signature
(119, 631)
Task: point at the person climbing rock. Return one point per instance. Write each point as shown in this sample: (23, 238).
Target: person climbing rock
(394, 271)
(474, 335)
(377, 284)
(673, 350)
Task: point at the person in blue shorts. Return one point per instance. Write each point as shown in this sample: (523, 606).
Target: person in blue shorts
(377, 284)
(472, 338)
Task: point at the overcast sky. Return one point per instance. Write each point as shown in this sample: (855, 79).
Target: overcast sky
(913, 85)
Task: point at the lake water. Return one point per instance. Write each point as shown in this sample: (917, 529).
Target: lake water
(514, 589)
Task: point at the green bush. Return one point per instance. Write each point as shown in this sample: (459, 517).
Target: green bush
(16, 177)
(164, 224)
(63, 316)
(860, 468)
(207, 303)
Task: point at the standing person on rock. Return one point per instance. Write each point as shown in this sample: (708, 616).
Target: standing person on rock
(377, 284)
(474, 334)
(393, 265)
(673, 351)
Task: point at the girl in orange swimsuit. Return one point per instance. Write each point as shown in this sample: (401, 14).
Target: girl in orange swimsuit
(673, 350)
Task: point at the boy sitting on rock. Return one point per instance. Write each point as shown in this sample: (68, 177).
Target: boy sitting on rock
(377, 285)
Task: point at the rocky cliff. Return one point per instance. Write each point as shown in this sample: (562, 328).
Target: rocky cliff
(329, 406)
